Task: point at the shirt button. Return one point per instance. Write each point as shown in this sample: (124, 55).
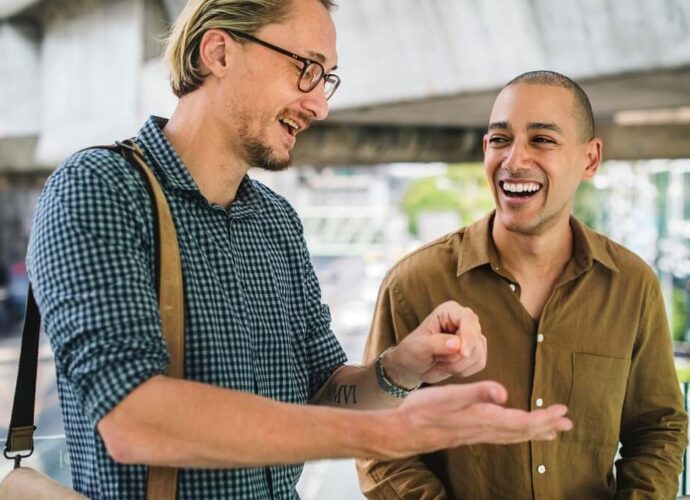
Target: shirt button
(539, 402)
(541, 469)
(512, 286)
(540, 337)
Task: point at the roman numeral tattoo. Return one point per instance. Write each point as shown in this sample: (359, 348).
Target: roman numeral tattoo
(341, 394)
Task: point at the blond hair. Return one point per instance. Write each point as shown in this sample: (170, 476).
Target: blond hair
(199, 16)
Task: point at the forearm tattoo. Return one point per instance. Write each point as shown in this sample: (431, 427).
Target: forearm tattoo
(341, 394)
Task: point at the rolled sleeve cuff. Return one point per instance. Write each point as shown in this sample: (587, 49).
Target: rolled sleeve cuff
(103, 381)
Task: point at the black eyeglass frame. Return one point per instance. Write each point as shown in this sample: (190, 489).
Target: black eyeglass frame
(331, 78)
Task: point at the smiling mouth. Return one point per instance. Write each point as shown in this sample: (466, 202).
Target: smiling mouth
(291, 126)
(519, 189)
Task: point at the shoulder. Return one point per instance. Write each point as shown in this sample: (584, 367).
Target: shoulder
(435, 258)
(98, 190)
(628, 263)
(624, 272)
(93, 172)
(275, 205)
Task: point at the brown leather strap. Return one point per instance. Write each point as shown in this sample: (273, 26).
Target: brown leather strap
(162, 481)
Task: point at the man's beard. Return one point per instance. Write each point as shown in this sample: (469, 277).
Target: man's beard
(261, 156)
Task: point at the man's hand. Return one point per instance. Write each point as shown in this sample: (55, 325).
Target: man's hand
(448, 342)
(454, 415)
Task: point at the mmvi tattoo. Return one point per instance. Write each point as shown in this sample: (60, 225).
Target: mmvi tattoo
(341, 394)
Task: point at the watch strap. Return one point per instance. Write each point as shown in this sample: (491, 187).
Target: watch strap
(386, 384)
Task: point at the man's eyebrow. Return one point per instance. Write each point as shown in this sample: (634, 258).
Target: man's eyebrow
(544, 126)
(316, 56)
(320, 58)
(499, 126)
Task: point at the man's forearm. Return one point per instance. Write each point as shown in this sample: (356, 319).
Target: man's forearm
(189, 424)
(355, 387)
(437, 349)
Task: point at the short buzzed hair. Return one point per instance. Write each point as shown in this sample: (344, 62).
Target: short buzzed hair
(199, 16)
(584, 118)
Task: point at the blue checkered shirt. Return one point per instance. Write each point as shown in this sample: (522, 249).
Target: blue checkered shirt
(253, 314)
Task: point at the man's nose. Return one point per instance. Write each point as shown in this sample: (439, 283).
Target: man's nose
(517, 157)
(316, 103)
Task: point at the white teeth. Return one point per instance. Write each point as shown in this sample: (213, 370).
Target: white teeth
(290, 123)
(514, 187)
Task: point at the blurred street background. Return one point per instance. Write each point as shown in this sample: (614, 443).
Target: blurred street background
(398, 162)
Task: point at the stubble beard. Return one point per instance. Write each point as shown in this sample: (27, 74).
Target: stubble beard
(539, 224)
(259, 155)
(256, 152)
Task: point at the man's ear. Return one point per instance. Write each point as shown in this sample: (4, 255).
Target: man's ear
(592, 158)
(214, 50)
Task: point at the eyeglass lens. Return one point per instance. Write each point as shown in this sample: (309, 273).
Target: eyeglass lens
(312, 76)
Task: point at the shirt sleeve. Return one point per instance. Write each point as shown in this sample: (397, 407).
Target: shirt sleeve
(654, 423)
(91, 267)
(407, 478)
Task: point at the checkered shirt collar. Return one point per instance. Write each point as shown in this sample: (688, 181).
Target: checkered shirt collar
(176, 175)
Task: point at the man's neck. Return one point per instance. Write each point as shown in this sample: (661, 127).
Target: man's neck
(206, 152)
(530, 257)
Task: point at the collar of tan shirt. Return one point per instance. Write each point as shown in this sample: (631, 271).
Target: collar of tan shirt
(478, 248)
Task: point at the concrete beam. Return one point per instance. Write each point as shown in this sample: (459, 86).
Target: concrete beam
(338, 144)
(645, 142)
(9, 8)
(667, 89)
(394, 51)
(366, 144)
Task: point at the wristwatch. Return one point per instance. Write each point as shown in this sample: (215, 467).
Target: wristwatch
(386, 384)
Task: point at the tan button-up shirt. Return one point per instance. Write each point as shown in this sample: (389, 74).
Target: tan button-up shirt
(602, 346)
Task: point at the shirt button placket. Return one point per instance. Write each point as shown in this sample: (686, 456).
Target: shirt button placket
(539, 402)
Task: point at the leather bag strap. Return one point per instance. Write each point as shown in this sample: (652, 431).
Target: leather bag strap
(162, 481)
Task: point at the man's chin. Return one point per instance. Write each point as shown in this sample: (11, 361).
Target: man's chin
(537, 225)
(263, 157)
(274, 164)
(517, 224)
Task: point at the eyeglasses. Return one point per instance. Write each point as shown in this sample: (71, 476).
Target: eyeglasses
(312, 72)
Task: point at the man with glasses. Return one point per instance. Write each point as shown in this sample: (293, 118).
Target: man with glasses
(250, 76)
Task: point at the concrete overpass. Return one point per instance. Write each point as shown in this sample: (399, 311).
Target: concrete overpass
(418, 76)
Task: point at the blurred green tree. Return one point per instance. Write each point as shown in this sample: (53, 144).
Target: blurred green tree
(463, 189)
(679, 313)
(589, 206)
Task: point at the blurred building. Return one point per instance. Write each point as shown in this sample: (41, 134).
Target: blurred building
(418, 77)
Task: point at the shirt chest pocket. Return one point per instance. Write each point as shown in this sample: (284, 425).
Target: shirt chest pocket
(595, 403)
